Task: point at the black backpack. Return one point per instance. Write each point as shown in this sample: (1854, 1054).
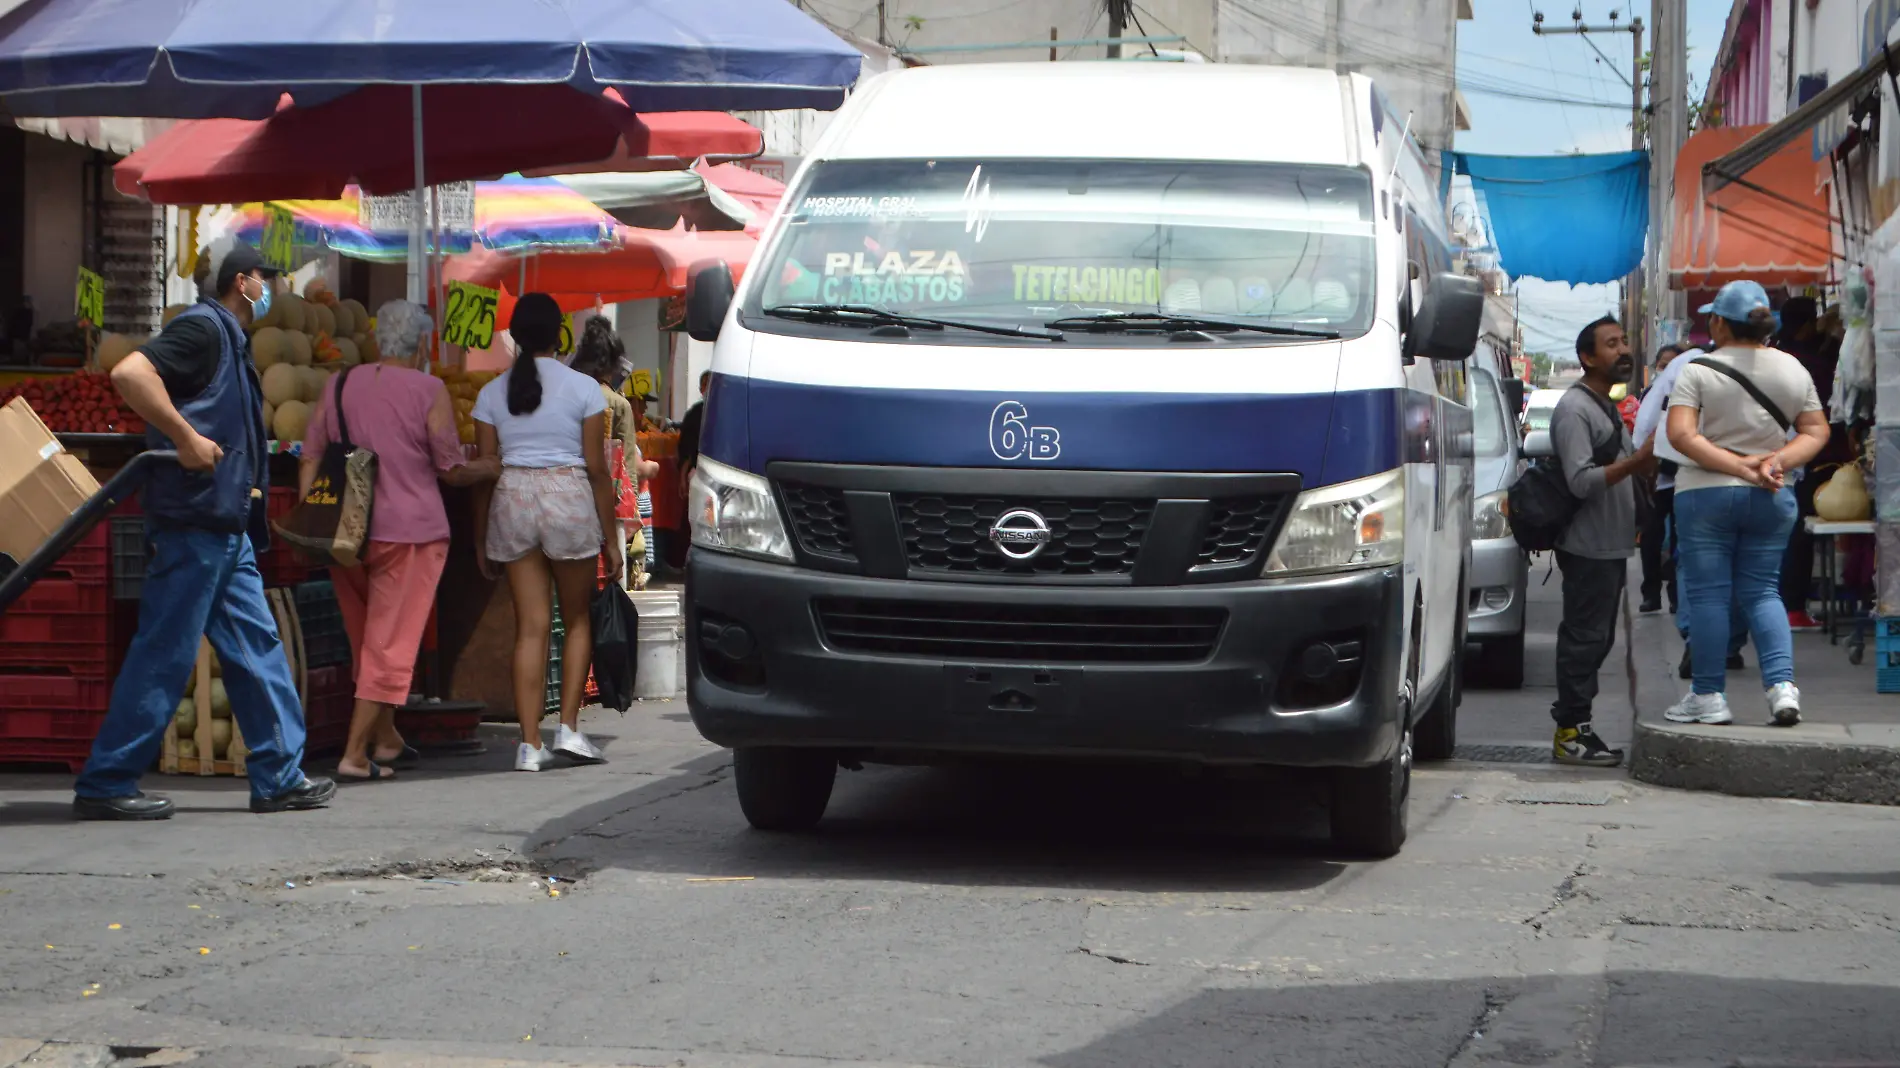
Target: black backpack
(1541, 503)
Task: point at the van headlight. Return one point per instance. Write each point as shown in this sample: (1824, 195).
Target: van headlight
(1491, 516)
(734, 511)
(1338, 528)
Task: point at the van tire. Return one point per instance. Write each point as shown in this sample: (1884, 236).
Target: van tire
(783, 788)
(1368, 809)
(1500, 662)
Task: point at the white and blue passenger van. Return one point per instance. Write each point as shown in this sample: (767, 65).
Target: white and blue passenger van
(1089, 410)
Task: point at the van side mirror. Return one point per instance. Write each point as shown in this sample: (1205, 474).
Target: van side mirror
(1445, 327)
(1537, 446)
(1513, 396)
(708, 298)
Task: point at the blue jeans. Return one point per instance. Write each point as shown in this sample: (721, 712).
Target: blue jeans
(200, 583)
(1737, 619)
(1731, 540)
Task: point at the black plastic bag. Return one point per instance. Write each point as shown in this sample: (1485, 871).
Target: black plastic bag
(616, 645)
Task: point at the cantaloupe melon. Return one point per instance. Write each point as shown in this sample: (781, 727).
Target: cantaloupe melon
(270, 414)
(367, 348)
(292, 417)
(282, 383)
(325, 319)
(359, 315)
(172, 311)
(350, 356)
(116, 347)
(296, 313)
(268, 346)
(315, 380)
(316, 289)
(296, 348)
(346, 325)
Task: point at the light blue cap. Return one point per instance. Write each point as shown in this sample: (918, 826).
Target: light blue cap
(1736, 300)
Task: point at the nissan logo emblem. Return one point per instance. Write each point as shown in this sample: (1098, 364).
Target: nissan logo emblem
(1020, 534)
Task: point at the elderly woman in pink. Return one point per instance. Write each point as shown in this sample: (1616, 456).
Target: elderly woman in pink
(400, 412)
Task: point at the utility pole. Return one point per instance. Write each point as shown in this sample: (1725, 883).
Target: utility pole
(1633, 285)
(1117, 24)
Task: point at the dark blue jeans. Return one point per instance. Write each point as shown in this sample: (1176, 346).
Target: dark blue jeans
(1731, 540)
(200, 583)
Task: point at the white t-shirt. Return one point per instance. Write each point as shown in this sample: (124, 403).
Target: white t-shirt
(1733, 420)
(549, 436)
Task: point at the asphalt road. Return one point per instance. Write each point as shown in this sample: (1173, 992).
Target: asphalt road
(1020, 915)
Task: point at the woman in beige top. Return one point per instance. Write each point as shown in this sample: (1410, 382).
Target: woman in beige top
(1733, 508)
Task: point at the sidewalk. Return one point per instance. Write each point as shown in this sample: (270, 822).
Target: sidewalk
(1847, 747)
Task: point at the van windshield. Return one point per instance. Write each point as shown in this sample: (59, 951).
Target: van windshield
(1024, 243)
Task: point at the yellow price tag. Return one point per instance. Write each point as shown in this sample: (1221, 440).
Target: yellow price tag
(643, 383)
(470, 317)
(280, 238)
(567, 334)
(89, 297)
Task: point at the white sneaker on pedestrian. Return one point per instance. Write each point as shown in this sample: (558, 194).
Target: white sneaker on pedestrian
(532, 758)
(1784, 704)
(1705, 708)
(576, 746)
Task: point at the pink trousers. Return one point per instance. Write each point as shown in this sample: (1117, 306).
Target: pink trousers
(386, 604)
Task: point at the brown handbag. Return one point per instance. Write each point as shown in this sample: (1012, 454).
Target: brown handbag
(331, 523)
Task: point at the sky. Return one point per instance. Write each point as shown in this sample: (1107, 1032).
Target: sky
(1497, 49)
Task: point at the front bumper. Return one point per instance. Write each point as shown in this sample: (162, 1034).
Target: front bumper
(1245, 702)
(1500, 569)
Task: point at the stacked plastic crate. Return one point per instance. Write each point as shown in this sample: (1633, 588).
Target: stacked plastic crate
(329, 695)
(57, 656)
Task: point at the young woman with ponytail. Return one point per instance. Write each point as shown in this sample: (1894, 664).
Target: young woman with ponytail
(546, 519)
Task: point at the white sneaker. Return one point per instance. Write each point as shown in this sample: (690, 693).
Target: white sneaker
(532, 758)
(1707, 708)
(576, 746)
(1784, 704)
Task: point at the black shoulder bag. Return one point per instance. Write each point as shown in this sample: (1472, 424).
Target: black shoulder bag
(1541, 503)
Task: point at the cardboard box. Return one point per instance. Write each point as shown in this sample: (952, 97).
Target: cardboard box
(41, 484)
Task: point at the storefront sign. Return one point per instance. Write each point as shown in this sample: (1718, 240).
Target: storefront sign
(643, 384)
(390, 214)
(773, 168)
(567, 335)
(470, 317)
(89, 297)
(280, 238)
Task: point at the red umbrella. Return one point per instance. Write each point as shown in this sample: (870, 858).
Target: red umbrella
(751, 188)
(366, 138)
(643, 265)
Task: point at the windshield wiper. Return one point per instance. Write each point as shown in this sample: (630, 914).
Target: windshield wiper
(865, 313)
(1173, 323)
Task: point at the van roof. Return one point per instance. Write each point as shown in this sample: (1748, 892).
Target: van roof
(1100, 110)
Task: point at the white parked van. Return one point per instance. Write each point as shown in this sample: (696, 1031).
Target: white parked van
(1089, 410)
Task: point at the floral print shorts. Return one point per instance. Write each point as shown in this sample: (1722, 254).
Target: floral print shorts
(546, 508)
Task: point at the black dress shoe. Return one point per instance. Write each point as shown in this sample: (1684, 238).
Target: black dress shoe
(1651, 604)
(135, 807)
(313, 793)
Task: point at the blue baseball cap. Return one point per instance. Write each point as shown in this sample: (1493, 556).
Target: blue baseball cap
(1736, 300)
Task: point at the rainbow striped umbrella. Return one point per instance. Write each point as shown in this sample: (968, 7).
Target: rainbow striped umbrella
(513, 215)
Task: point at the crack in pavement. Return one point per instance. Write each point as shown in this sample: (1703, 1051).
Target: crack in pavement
(1565, 890)
(593, 831)
(1494, 1004)
(1086, 951)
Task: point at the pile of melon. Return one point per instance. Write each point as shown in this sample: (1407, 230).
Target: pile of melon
(299, 345)
(185, 719)
(463, 386)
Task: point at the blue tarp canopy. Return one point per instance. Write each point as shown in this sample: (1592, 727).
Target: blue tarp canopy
(234, 58)
(1575, 219)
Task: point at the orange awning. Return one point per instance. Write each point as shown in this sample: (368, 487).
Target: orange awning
(1771, 225)
(644, 264)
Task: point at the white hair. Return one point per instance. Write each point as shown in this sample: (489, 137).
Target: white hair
(400, 327)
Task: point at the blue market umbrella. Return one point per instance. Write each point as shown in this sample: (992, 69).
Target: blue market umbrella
(235, 58)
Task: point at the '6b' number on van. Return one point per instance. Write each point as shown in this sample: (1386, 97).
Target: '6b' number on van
(1012, 438)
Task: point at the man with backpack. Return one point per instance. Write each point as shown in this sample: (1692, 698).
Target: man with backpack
(1595, 458)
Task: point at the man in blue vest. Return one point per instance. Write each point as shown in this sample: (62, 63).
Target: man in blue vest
(198, 392)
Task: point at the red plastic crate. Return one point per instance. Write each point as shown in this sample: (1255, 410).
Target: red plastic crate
(43, 629)
(70, 753)
(90, 658)
(39, 725)
(64, 597)
(90, 561)
(52, 693)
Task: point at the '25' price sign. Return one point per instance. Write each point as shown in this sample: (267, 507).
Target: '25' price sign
(470, 318)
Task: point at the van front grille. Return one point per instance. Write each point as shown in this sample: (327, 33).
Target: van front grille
(1039, 634)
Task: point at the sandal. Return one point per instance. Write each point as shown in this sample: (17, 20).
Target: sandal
(377, 773)
(405, 760)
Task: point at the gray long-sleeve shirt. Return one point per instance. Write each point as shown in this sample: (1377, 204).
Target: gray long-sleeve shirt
(1605, 526)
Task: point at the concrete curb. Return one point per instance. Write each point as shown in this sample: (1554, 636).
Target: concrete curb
(1855, 763)
(1805, 762)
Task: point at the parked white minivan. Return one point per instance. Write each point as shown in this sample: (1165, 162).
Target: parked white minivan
(1089, 410)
